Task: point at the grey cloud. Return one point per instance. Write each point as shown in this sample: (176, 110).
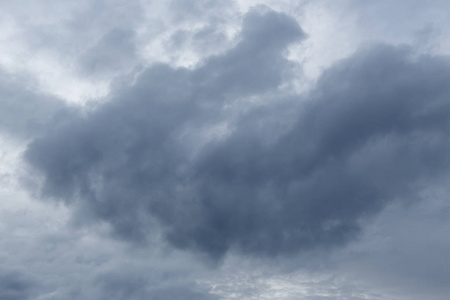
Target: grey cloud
(419, 26)
(42, 259)
(205, 29)
(256, 64)
(374, 129)
(184, 10)
(134, 138)
(123, 285)
(68, 28)
(402, 249)
(15, 286)
(206, 40)
(25, 112)
(114, 52)
(90, 42)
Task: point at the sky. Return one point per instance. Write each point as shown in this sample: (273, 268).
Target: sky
(221, 150)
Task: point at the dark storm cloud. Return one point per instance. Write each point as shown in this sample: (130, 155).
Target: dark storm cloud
(133, 143)
(374, 129)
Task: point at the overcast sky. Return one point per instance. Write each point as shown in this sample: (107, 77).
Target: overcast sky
(221, 150)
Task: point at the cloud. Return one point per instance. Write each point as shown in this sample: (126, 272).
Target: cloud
(64, 262)
(113, 52)
(26, 112)
(15, 286)
(268, 150)
(373, 130)
(400, 252)
(123, 285)
(145, 123)
(183, 10)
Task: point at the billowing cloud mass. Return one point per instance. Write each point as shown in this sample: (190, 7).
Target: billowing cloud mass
(373, 130)
(218, 150)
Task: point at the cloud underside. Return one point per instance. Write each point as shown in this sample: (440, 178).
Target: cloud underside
(289, 173)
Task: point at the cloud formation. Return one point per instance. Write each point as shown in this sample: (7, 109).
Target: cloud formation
(373, 130)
